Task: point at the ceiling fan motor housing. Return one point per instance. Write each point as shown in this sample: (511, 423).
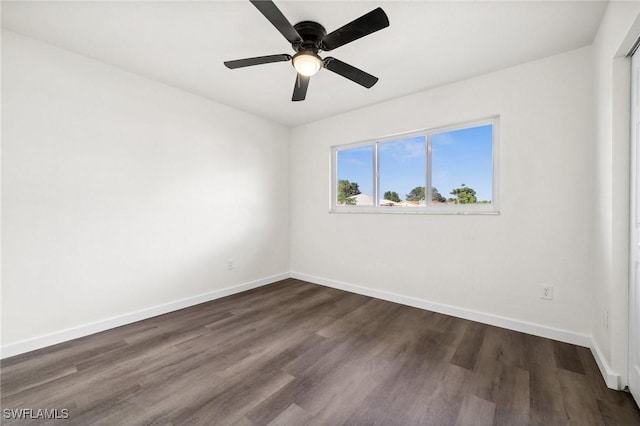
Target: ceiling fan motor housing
(312, 34)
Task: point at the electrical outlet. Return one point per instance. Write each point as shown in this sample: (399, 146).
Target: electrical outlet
(229, 263)
(547, 292)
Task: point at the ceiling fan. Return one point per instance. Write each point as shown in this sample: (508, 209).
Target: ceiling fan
(308, 38)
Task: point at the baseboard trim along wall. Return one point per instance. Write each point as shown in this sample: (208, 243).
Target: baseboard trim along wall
(611, 379)
(118, 321)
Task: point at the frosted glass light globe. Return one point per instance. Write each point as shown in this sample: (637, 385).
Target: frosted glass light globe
(307, 63)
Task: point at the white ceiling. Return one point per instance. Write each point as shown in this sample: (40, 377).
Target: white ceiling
(184, 44)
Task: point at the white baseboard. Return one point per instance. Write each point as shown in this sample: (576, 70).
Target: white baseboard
(39, 342)
(612, 379)
(483, 317)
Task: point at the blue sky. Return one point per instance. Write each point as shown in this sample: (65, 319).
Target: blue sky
(458, 157)
(403, 165)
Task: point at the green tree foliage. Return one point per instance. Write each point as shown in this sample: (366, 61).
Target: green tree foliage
(346, 192)
(416, 194)
(348, 188)
(437, 196)
(392, 196)
(464, 195)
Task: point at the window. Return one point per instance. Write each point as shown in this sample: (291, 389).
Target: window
(355, 176)
(448, 170)
(402, 165)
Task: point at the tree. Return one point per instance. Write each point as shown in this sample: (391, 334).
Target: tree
(392, 196)
(437, 196)
(464, 195)
(346, 192)
(416, 194)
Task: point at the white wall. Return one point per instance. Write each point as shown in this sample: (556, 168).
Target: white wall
(120, 193)
(490, 264)
(611, 201)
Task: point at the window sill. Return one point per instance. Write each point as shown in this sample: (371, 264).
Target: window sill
(383, 211)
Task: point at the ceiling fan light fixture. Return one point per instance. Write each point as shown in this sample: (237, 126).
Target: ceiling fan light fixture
(307, 63)
(307, 38)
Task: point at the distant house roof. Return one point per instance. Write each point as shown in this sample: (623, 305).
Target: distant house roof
(367, 200)
(363, 200)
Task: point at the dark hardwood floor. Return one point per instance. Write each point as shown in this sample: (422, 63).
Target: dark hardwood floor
(294, 353)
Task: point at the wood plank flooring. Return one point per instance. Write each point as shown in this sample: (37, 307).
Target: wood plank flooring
(294, 353)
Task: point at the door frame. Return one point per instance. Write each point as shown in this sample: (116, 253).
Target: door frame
(633, 347)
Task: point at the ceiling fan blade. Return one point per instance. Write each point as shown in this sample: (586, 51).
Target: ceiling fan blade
(258, 60)
(350, 72)
(300, 89)
(282, 24)
(364, 25)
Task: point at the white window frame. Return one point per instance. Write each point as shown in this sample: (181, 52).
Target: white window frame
(428, 208)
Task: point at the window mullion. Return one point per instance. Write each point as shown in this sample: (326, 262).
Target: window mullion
(376, 176)
(428, 192)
